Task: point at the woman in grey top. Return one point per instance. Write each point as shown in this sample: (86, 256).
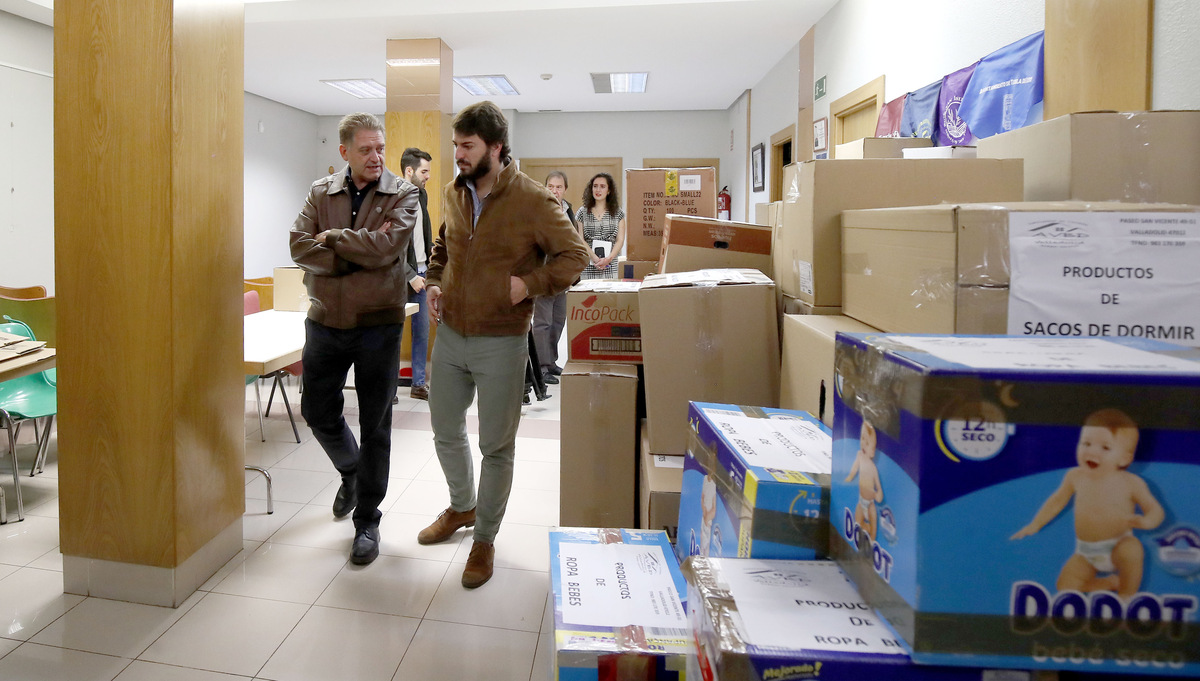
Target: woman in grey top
(602, 219)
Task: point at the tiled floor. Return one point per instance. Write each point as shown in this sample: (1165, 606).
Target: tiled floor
(291, 607)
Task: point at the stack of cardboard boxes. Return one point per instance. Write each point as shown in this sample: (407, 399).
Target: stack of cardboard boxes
(990, 501)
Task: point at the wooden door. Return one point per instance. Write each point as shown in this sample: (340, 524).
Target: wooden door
(855, 115)
(578, 171)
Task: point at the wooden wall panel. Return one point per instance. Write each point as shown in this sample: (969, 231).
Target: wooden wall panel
(148, 128)
(116, 482)
(207, 181)
(429, 131)
(1098, 55)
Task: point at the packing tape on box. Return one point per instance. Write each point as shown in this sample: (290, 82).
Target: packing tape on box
(708, 333)
(1134, 157)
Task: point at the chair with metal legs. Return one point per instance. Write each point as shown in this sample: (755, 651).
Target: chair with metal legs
(27, 398)
(250, 306)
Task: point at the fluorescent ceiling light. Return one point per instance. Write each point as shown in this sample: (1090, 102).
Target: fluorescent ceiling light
(363, 88)
(422, 61)
(481, 86)
(605, 83)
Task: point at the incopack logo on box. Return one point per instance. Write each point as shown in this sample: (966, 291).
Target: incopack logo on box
(588, 311)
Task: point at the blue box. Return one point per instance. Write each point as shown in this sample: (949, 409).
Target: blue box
(1023, 502)
(755, 484)
(767, 620)
(619, 605)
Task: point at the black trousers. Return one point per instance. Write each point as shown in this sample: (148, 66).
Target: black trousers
(374, 352)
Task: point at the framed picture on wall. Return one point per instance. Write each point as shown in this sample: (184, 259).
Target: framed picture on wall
(821, 134)
(757, 168)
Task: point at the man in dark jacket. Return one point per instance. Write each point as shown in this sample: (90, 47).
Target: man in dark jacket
(350, 239)
(550, 312)
(504, 241)
(415, 163)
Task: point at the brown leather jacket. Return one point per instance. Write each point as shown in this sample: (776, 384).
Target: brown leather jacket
(522, 232)
(357, 277)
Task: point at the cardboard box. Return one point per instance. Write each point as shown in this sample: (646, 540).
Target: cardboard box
(290, 293)
(619, 608)
(599, 437)
(806, 375)
(603, 321)
(637, 269)
(1141, 157)
(955, 151)
(662, 477)
(796, 306)
(879, 147)
(808, 247)
(984, 489)
(710, 335)
(765, 620)
(755, 484)
(652, 193)
(948, 268)
(706, 243)
(761, 215)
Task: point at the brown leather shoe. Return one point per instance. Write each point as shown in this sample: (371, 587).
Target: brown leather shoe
(419, 392)
(446, 525)
(479, 564)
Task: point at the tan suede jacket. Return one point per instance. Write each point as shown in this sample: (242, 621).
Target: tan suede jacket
(357, 277)
(522, 232)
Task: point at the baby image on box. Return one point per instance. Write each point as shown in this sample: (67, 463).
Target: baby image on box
(870, 491)
(1107, 556)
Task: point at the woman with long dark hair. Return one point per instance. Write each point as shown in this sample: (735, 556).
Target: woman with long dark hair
(602, 219)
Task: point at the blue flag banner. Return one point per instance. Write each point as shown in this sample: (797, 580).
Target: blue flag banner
(951, 128)
(1005, 91)
(920, 112)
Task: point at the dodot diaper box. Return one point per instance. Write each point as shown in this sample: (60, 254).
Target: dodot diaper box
(755, 484)
(770, 620)
(619, 609)
(1023, 502)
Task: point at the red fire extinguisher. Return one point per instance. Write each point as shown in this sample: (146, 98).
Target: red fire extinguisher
(724, 201)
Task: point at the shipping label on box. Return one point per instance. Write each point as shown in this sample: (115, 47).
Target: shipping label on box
(1105, 274)
(618, 598)
(652, 193)
(754, 484)
(603, 321)
(1023, 502)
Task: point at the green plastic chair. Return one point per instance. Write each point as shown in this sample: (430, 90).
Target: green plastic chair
(27, 398)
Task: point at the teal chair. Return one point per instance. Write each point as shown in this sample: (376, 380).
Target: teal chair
(22, 399)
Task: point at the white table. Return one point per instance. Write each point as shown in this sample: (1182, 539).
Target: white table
(275, 338)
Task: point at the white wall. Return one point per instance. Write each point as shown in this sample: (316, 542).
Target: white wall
(1176, 54)
(774, 105)
(629, 135)
(734, 161)
(281, 164)
(26, 153)
(912, 43)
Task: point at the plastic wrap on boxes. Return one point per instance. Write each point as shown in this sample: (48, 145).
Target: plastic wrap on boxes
(766, 620)
(619, 613)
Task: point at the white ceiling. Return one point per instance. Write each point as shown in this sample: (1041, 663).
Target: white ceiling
(701, 54)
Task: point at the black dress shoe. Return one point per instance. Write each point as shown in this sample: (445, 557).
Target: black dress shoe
(550, 378)
(555, 369)
(366, 546)
(346, 499)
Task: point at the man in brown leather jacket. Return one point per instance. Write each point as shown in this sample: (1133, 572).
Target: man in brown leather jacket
(350, 239)
(505, 240)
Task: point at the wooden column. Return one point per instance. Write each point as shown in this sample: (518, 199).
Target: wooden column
(148, 250)
(419, 106)
(1098, 56)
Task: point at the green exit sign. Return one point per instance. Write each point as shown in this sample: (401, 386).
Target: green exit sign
(819, 88)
